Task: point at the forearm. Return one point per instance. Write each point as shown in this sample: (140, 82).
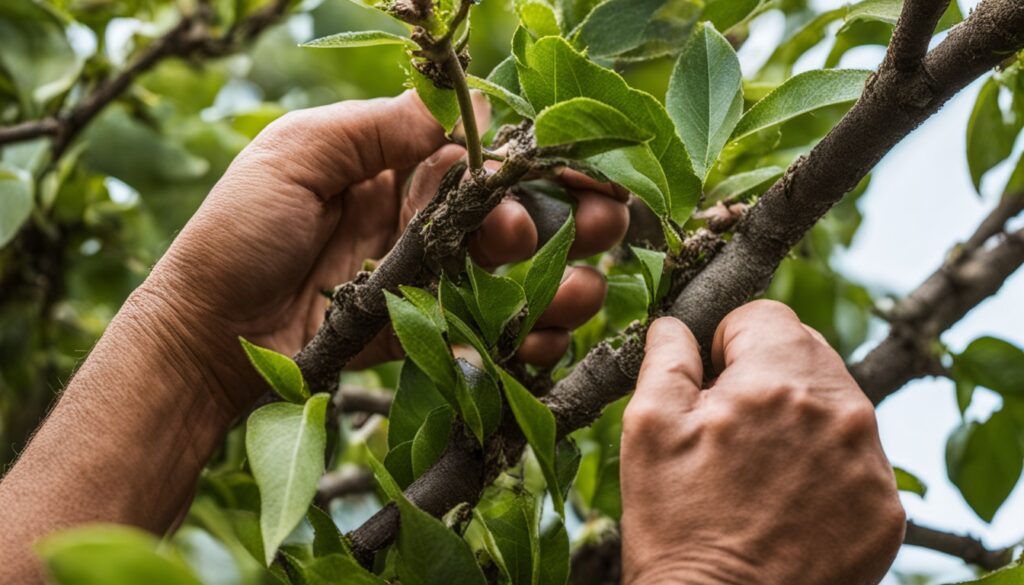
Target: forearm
(128, 437)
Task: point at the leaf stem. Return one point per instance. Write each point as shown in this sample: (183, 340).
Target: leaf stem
(453, 68)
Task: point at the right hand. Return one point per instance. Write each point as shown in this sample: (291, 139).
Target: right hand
(772, 475)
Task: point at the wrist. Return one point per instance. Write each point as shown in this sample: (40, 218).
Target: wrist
(200, 347)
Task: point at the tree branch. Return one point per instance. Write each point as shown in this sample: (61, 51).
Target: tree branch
(347, 481)
(968, 548)
(893, 105)
(913, 32)
(190, 37)
(965, 280)
(599, 562)
(353, 399)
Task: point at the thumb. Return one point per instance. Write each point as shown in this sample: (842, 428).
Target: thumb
(672, 371)
(328, 148)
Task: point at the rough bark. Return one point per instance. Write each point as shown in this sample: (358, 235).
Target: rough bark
(893, 104)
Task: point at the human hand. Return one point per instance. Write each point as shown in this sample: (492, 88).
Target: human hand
(773, 475)
(320, 191)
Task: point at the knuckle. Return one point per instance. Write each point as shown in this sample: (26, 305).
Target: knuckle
(856, 420)
(720, 419)
(641, 415)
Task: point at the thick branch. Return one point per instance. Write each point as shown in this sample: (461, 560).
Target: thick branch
(968, 548)
(190, 37)
(893, 105)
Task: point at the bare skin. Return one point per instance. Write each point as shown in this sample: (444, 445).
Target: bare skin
(773, 474)
(299, 210)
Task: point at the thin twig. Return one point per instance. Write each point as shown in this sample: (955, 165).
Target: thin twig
(965, 547)
(455, 73)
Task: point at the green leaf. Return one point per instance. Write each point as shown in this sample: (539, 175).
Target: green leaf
(538, 425)
(398, 462)
(387, 483)
(363, 38)
(285, 445)
(589, 126)
(498, 92)
(429, 553)
(106, 554)
(993, 363)
(505, 76)
(441, 102)
(567, 463)
(1015, 184)
(423, 343)
(37, 61)
(908, 482)
(554, 556)
(626, 300)
(327, 538)
(279, 371)
(737, 186)
(652, 264)
(545, 274)
(615, 27)
(803, 93)
(512, 520)
(335, 569)
(426, 303)
(538, 17)
(498, 300)
(724, 14)
(1013, 575)
(16, 201)
(431, 439)
(637, 169)
(551, 71)
(485, 394)
(984, 461)
(705, 97)
(991, 132)
(415, 398)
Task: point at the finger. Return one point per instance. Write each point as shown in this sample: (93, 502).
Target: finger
(579, 297)
(672, 371)
(762, 334)
(601, 222)
(506, 235)
(328, 148)
(544, 348)
(576, 180)
(427, 177)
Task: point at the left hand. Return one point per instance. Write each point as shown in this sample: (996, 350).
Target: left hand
(317, 193)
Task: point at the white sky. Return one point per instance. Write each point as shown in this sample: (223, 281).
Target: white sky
(921, 202)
